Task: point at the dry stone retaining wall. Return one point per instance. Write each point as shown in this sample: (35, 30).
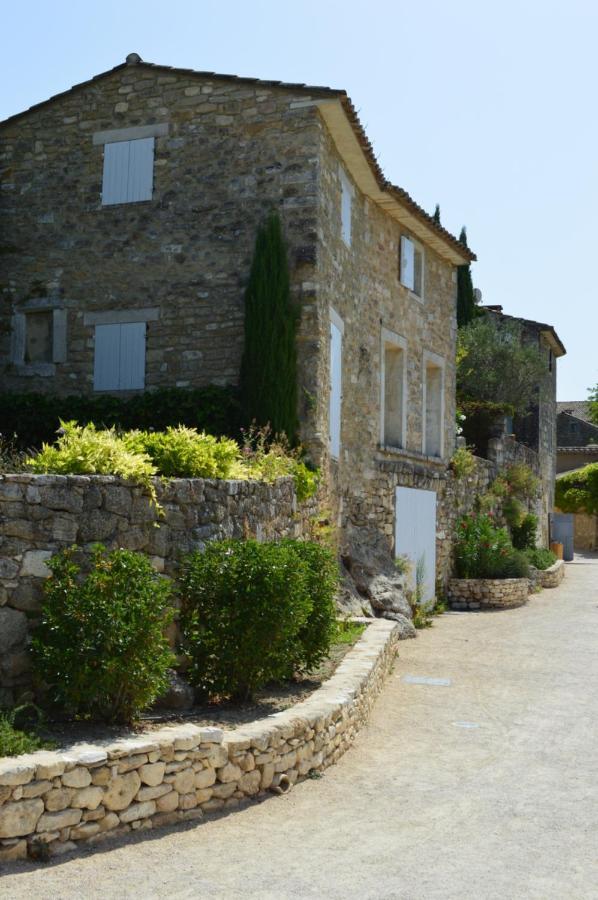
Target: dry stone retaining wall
(487, 593)
(184, 772)
(40, 514)
(552, 577)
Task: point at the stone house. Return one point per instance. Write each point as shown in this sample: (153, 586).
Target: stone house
(538, 428)
(130, 205)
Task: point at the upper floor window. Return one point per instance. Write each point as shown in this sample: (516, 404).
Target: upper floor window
(128, 171)
(346, 207)
(393, 385)
(129, 162)
(411, 265)
(433, 405)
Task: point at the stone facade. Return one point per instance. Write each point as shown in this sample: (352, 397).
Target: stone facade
(573, 431)
(40, 514)
(226, 152)
(91, 792)
(487, 593)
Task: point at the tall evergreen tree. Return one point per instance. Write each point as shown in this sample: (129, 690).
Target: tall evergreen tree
(436, 215)
(269, 365)
(466, 305)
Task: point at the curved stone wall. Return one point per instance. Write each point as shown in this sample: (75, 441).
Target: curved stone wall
(487, 593)
(49, 801)
(552, 577)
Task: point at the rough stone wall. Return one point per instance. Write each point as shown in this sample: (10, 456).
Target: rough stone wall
(361, 283)
(178, 773)
(552, 577)
(585, 532)
(487, 593)
(233, 152)
(575, 432)
(40, 514)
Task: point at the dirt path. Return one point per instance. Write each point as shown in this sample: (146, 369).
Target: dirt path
(484, 787)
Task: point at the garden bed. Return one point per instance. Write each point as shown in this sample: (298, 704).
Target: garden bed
(553, 575)
(49, 801)
(487, 593)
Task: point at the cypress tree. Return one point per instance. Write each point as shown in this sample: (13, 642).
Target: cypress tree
(269, 365)
(466, 305)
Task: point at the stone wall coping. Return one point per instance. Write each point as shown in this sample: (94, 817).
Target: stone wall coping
(51, 478)
(559, 564)
(489, 581)
(180, 772)
(332, 696)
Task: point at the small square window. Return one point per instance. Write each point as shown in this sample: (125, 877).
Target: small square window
(411, 265)
(128, 171)
(39, 337)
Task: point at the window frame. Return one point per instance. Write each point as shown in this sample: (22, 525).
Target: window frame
(417, 248)
(121, 317)
(347, 197)
(127, 135)
(390, 338)
(433, 360)
(19, 336)
(335, 440)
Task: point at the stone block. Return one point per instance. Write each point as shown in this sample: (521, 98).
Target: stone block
(168, 802)
(11, 852)
(77, 778)
(13, 772)
(138, 811)
(13, 632)
(205, 778)
(184, 781)
(87, 798)
(152, 773)
(229, 772)
(121, 791)
(18, 819)
(54, 821)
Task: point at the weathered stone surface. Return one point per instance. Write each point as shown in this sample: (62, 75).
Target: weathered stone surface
(13, 852)
(87, 798)
(34, 563)
(54, 821)
(138, 811)
(79, 777)
(121, 791)
(13, 629)
(184, 781)
(17, 819)
(36, 789)
(224, 790)
(58, 798)
(250, 782)
(180, 694)
(48, 765)
(84, 831)
(205, 778)
(152, 793)
(14, 772)
(152, 773)
(229, 772)
(168, 802)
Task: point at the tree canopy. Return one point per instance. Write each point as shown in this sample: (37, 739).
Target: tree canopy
(495, 367)
(466, 304)
(577, 492)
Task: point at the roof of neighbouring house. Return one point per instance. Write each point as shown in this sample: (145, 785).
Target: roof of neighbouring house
(588, 449)
(547, 331)
(351, 141)
(578, 408)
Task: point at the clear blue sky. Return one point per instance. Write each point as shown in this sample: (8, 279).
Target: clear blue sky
(486, 108)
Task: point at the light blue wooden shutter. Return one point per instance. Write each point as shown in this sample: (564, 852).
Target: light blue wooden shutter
(141, 170)
(132, 356)
(336, 356)
(407, 263)
(415, 535)
(106, 358)
(346, 208)
(128, 171)
(116, 173)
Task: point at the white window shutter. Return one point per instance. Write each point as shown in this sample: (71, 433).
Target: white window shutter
(407, 263)
(132, 356)
(346, 208)
(336, 355)
(106, 358)
(141, 170)
(116, 173)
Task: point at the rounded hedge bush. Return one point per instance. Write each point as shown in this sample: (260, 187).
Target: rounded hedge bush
(255, 612)
(100, 649)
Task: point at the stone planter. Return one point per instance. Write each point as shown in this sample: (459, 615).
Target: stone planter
(552, 577)
(487, 593)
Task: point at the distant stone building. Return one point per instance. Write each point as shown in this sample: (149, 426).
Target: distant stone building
(537, 428)
(132, 203)
(574, 427)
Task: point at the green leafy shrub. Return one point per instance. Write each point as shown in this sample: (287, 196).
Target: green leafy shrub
(100, 647)
(15, 740)
(522, 481)
(577, 492)
(32, 419)
(540, 557)
(84, 450)
(320, 629)
(524, 534)
(185, 453)
(513, 512)
(462, 462)
(483, 550)
(266, 458)
(253, 613)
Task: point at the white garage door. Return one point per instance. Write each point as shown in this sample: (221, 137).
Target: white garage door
(415, 536)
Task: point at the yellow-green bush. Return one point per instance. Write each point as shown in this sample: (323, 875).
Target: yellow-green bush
(184, 452)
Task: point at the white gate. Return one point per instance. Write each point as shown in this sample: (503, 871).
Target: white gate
(415, 537)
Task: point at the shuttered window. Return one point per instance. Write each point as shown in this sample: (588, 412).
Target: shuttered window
(336, 366)
(346, 207)
(119, 363)
(411, 265)
(128, 171)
